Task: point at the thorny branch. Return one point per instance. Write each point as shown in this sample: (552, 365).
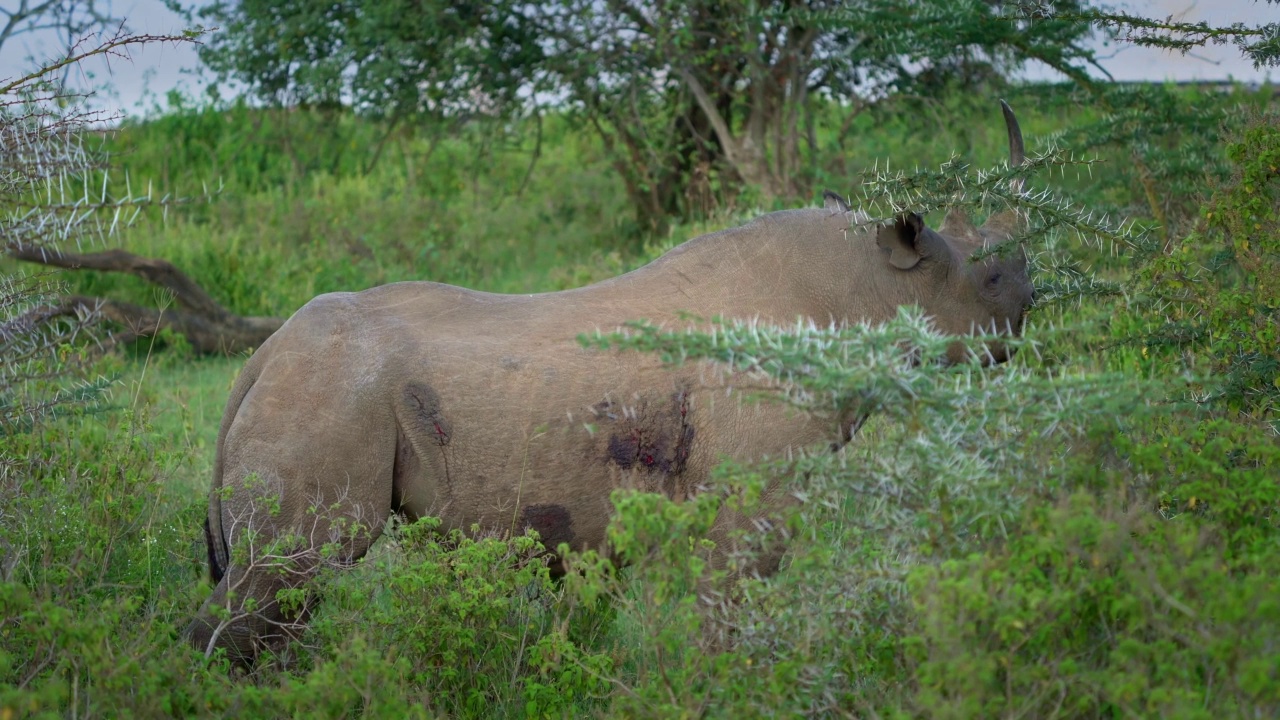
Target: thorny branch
(54, 192)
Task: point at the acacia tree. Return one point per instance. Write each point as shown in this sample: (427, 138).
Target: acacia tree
(752, 72)
(686, 96)
(435, 64)
(692, 100)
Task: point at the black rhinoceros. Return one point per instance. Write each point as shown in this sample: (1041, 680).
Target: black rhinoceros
(484, 410)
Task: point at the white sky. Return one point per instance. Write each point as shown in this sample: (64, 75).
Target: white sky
(1215, 62)
(141, 84)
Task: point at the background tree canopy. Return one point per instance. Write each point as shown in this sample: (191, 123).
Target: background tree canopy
(694, 100)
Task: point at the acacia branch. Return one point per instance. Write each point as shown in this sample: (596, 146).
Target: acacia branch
(110, 47)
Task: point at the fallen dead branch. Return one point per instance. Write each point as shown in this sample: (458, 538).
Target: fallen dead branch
(209, 327)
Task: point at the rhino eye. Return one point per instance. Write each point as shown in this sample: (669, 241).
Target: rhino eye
(993, 280)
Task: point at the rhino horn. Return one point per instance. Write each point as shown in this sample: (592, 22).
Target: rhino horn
(1007, 223)
(1017, 152)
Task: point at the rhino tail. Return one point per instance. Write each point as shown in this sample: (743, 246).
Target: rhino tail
(216, 567)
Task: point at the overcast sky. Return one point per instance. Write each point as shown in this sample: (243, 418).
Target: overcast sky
(141, 84)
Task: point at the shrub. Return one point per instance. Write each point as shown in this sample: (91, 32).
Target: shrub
(1209, 303)
(462, 624)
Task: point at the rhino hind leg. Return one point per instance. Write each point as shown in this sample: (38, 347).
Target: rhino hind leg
(224, 623)
(273, 551)
(299, 511)
(302, 478)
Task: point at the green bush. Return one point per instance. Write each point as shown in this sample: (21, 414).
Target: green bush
(1213, 295)
(467, 623)
(99, 564)
(1099, 608)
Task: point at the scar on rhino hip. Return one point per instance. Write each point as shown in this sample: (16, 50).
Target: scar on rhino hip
(423, 403)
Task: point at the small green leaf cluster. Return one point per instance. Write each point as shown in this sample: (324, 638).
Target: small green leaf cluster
(1208, 303)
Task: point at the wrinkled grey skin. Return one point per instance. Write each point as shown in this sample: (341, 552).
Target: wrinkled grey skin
(430, 400)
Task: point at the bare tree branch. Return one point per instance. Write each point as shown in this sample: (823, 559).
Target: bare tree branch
(228, 336)
(114, 47)
(74, 20)
(160, 272)
(209, 327)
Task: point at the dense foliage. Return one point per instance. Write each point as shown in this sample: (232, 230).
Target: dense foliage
(694, 102)
(1089, 530)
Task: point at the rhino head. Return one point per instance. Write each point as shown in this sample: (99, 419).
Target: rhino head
(953, 273)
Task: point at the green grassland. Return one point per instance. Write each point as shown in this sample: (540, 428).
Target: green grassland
(1111, 555)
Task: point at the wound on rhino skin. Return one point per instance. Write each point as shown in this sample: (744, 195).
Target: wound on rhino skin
(423, 404)
(622, 451)
(656, 441)
(552, 522)
(682, 448)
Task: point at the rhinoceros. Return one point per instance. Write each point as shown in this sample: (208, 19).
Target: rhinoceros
(484, 410)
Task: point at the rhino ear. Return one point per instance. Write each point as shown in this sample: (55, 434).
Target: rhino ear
(834, 203)
(904, 240)
(1001, 226)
